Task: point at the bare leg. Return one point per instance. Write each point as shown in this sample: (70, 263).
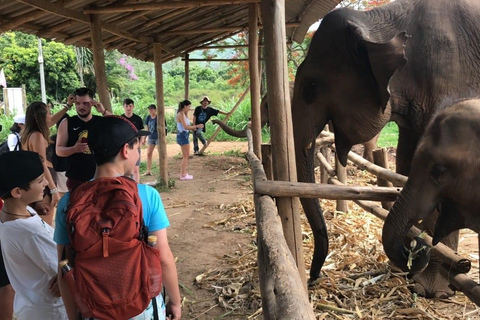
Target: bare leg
(150, 148)
(185, 155)
(6, 302)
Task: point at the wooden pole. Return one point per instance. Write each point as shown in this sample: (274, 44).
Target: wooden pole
(325, 191)
(254, 78)
(99, 62)
(162, 141)
(342, 177)
(284, 168)
(326, 169)
(187, 76)
(214, 135)
(380, 158)
(267, 160)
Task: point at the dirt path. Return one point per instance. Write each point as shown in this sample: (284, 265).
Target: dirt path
(192, 207)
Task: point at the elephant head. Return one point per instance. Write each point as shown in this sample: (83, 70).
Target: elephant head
(445, 176)
(344, 78)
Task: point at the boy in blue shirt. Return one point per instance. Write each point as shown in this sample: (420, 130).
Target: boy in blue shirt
(114, 142)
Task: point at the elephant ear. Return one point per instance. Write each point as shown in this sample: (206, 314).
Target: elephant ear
(383, 59)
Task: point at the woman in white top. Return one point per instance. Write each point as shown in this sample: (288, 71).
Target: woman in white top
(13, 140)
(183, 125)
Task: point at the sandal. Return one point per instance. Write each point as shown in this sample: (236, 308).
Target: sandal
(186, 177)
(147, 174)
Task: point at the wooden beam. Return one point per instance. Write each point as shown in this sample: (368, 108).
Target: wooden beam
(164, 17)
(187, 76)
(99, 63)
(325, 191)
(254, 78)
(162, 140)
(74, 15)
(199, 60)
(219, 29)
(15, 22)
(163, 5)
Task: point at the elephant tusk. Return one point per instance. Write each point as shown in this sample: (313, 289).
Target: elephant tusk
(309, 146)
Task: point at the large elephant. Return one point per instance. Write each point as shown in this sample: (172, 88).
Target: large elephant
(392, 63)
(445, 173)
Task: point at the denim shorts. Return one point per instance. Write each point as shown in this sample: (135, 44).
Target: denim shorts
(182, 138)
(152, 141)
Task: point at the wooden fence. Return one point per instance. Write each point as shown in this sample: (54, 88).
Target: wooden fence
(283, 293)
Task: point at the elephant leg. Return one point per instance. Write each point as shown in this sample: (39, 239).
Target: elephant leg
(407, 144)
(320, 236)
(430, 283)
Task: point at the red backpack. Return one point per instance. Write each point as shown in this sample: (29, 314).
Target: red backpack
(115, 274)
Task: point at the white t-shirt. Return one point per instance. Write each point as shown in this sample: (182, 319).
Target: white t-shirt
(12, 141)
(30, 256)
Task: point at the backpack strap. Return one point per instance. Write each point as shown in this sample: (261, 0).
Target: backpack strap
(17, 146)
(155, 308)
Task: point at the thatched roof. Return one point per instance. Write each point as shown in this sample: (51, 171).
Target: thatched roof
(132, 26)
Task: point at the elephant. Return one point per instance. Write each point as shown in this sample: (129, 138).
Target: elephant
(366, 68)
(444, 174)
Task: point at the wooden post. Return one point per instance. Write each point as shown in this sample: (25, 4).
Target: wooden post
(254, 78)
(187, 75)
(283, 151)
(327, 153)
(225, 120)
(342, 177)
(380, 158)
(99, 62)
(162, 141)
(267, 160)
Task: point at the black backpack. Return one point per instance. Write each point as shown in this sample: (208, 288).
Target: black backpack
(4, 145)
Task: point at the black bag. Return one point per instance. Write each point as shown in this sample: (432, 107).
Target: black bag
(4, 145)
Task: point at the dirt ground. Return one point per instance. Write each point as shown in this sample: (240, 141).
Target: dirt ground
(205, 240)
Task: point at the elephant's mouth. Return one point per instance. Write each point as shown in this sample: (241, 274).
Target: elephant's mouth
(451, 218)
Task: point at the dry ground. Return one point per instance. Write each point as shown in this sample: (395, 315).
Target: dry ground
(212, 235)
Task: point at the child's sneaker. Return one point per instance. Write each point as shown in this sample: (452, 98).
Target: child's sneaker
(186, 177)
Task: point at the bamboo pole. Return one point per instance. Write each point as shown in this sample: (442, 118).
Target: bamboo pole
(214, 135)
(325, 191)
(284, 168)
(461, 281)
(99, 62)
(162, 141)
(329, 171)
(380, 158)
(254, 78)
(267, 160)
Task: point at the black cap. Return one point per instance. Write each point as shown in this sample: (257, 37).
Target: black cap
(18, 168)
(108, 134)
(152, 106)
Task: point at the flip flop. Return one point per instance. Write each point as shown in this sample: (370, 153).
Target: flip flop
(147, 174)
(186, 177)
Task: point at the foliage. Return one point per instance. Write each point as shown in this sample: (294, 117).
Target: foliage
(19, 59)
(362, 4)
(388, 136)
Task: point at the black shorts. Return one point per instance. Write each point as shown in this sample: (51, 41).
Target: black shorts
(3, 273)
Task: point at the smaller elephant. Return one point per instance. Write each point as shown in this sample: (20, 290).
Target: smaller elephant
(369, 146)
(444, 180)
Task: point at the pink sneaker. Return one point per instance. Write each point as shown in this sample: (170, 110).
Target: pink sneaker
(186, 177)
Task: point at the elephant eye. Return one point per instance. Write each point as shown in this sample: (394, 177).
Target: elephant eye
(437, 171)
(310, 91)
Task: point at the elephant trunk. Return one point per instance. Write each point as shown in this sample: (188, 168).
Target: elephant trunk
(407, 211)
(229, 130)
(312, 209)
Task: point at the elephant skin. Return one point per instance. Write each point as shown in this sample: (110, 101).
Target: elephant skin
(444, 175)
(392, 63)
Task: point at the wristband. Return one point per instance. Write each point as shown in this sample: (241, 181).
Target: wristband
(104, 111)
(53, 191)
(68, 107)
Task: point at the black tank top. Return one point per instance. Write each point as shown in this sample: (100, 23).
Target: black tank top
(81, 166)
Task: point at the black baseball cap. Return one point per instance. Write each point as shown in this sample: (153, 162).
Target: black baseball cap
(152, 106)
(108, 134)
(18, 168)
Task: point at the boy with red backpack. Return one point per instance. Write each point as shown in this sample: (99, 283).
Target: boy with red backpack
(113, 273)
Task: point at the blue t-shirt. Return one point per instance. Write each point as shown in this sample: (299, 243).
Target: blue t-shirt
(154, 213)
(152, 127)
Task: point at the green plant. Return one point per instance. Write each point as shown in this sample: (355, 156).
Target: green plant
(164, 188)
(234, 153)
(388, 136)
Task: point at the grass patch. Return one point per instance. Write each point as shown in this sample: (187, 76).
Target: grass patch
(388, 136)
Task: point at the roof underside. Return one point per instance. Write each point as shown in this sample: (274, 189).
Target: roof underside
(132, 27)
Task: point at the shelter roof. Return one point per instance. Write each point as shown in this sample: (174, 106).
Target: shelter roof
(132, 26)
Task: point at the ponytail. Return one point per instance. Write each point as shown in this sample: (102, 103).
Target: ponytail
(182, 105)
